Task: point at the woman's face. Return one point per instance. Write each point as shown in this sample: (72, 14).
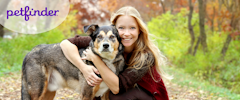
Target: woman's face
(128, 29)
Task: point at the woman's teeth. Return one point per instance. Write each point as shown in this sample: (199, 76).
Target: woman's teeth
(126, 39)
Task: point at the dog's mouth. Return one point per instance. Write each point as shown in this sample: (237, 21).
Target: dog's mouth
(105, 53)
(105, 50)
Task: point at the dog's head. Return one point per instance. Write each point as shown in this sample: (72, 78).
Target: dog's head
(106, 41)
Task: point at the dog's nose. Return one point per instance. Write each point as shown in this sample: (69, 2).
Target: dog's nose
(105, 45)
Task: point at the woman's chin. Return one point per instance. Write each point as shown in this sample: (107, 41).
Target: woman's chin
(128, 45)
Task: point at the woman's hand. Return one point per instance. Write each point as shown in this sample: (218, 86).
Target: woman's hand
(90, 76)
(89, 54)
(89, 73)
(71, 53)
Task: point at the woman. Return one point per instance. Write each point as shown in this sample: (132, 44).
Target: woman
(142, 75)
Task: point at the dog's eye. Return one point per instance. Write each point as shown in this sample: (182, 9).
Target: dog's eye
(111, 37)
(100, 36)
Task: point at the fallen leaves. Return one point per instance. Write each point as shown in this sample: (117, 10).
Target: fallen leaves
(10, 89)
(177, 92)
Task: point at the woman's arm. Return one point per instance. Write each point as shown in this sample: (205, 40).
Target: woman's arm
(124, 80)
(71, 53)
(110, 78)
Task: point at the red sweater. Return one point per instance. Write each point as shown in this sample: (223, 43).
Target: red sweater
(129, 77)
(156, 88)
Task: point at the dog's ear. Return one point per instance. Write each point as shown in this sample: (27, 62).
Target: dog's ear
(114, 28)
(90, 29)
(120, 48)
(115, 31)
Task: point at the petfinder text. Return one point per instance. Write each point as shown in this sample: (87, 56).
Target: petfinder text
(26, 12)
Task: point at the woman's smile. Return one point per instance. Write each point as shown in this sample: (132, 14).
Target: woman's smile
(128, 30)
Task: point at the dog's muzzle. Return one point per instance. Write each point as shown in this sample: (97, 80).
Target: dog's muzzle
(105, 47)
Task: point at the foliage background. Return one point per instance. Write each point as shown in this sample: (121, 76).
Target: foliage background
(168, 23)
(174, 42)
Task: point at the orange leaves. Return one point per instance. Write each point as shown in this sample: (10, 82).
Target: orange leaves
(223, 14)
(219, 13)
(109, 5)
(89, 12)
(235, 35)
(182, 2)
(226, 28)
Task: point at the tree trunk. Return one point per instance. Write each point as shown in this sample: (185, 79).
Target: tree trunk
(196, 46)
(3, 6)
(190, 27)
(219, 21)
(1, 31)
(202, 12)
(172, 5)
(225, 46)
(233, 24)
(163, 6)
(214, 12)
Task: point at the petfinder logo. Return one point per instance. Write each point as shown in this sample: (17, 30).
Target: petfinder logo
(28, 13)
(33, 16)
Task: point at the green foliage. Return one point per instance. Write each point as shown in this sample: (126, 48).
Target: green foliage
(173, 38)
(188, 80)
(13, 51)
(69, 23)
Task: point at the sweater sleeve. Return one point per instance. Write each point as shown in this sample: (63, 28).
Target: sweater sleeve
(130, 76)
(80, 41)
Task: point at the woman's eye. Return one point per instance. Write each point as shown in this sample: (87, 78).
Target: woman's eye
(120, 27)
(111, 37)
(133, 28)
(100, 37)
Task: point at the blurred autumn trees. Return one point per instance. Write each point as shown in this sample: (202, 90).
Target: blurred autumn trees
(3, 6)
(221, 17)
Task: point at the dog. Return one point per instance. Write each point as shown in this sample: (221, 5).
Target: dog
(45, 69)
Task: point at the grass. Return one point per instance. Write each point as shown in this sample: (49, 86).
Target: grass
(183, 79)
(13, 51)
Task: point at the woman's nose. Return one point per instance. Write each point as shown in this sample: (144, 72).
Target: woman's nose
(126, 32)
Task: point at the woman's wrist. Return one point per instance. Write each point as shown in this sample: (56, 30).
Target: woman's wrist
(82, 67)
(95, 57)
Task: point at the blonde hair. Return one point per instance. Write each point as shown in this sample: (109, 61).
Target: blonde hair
(143, 44)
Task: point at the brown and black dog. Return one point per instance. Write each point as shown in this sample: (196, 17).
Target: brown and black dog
(45, 69)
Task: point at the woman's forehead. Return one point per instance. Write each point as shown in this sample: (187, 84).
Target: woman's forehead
(126, 20)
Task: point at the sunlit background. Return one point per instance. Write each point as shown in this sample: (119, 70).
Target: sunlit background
(201, 39)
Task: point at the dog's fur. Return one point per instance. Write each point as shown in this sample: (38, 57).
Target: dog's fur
(45, 69)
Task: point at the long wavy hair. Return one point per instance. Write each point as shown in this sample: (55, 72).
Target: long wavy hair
(143, 44)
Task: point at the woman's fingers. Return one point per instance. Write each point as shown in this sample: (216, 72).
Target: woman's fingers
(90, 83)
(95, 70)
(90, 74)
(93, 82)
(87, 54)
(95, 79)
